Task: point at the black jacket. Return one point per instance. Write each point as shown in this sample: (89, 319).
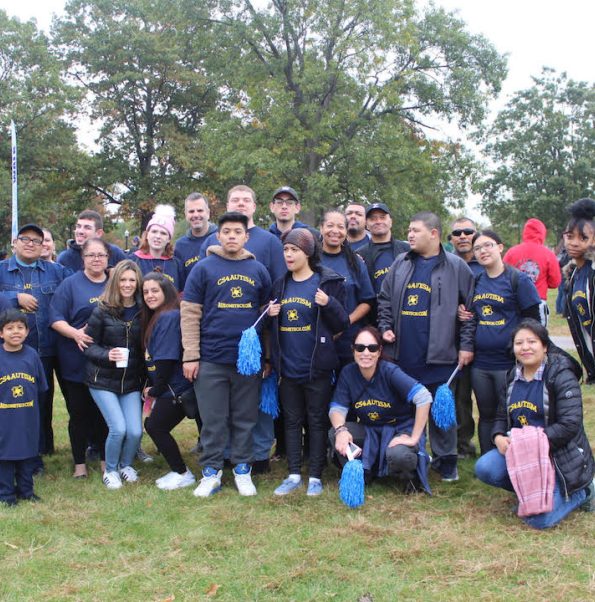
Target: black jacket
(563, 407)
(108, 330)
(330, 320)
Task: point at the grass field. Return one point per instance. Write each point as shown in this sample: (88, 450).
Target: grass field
(82, 542)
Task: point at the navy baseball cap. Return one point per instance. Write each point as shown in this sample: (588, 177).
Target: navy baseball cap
(288, 190)
(31, 227)
(377, 207)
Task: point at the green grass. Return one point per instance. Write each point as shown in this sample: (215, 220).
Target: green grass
(82, 542)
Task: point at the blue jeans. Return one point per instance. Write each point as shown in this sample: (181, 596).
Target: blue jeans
(122, 414)
(491, 469)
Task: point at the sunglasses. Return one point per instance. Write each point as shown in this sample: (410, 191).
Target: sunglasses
(465, 231)
(372, 348)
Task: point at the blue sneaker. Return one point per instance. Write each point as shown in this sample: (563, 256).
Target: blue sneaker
(314, 488)
(243, 480)
(210, 482)
(288, 486)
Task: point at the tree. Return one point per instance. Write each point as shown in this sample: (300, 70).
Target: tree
(144, 66)
(335, 99)
(34, 95)
(542, 148)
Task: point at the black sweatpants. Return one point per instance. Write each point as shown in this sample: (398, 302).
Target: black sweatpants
(164, 417)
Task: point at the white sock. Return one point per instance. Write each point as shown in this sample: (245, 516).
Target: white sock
(295, 478)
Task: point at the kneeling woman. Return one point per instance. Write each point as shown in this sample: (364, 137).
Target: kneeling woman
(162, 342)
(309, 314)
(543, 391)
(392, 410)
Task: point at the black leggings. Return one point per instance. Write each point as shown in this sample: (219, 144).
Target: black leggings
(303, 402)
(164, 417)
(489, 387)
(85, 421)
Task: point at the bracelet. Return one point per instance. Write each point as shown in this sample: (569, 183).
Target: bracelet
(341, 428)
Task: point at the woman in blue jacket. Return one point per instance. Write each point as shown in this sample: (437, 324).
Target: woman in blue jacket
(308, 315)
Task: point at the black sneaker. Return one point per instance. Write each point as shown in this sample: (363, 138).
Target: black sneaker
(261, 467)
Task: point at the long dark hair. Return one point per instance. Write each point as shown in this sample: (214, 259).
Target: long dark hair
(345, 248)
(171, 301)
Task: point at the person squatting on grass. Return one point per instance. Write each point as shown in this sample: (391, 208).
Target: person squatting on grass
(579, 239)
(70, 309)
(114, 327)
(392, 411)
(22, 382)
(308, 314)
(224, 295)
(543, 391)
(162, 343)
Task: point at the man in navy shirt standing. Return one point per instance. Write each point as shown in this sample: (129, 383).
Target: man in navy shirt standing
(197, 213)
(417, 316)
(356, 225)
(285, 206)
(89, 224)
(223, 296)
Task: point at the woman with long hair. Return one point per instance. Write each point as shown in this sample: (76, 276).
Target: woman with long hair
(579, 238)
(156, 252)
(70, 309)
(503, 296)
(307, 316)
(390, 414)
(338, 256)
(115, 369)
(543, 391)
(162, 343)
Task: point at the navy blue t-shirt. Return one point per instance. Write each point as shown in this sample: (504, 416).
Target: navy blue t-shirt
(73, 302)
(358, 289)
(385, 399)
(128, 313)
(231, 293)
(22, 381)
(525, 406)
(187, 249)
(381, 267)
(170, 267)
(498, 310)
(359, 243)
(165, 343)
(578, 298)
(266, 247)
(415, 326)
(72, 259)
(297, 327)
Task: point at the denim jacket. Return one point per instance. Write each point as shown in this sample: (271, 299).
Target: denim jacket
(45, 278)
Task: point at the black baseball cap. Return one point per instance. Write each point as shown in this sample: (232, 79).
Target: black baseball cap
(288, 190)
(377, 207)
(29, 227)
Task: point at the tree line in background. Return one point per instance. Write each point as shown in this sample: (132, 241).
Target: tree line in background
(335, 98)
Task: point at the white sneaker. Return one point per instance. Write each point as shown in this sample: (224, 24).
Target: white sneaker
(143, 456)
(175, 480)
(129, 474)
(241, 475)
(210, 482)
(169, 475)
(112, 480)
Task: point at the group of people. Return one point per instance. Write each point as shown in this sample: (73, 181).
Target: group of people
(360, 331)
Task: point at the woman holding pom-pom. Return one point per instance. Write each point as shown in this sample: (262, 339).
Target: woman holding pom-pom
(309, 314)
(392, 411)
(579, 238)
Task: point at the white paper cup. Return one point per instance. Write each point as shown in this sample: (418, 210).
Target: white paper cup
(123, 363)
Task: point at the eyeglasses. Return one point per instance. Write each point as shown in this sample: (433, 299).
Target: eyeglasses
(465, 231)
(28, 240)
(288, 202)
(360, 347)
(95, 255)
(486, 245)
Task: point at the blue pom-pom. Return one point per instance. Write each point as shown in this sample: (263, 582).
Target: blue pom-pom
(269, 397)
(351, 485)
(249, 351)
(443, 408)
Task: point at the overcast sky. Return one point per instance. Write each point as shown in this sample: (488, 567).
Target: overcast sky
(534, 33)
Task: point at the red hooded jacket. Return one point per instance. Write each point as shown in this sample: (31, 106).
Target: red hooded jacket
(535, 259)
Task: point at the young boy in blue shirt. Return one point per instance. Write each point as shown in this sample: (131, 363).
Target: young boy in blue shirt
(22, 381)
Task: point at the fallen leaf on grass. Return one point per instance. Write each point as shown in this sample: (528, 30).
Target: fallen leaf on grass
(212, 591)
(11, 545)
(169, 599)
(150, 505)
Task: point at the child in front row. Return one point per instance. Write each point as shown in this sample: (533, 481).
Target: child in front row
(22, 381)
